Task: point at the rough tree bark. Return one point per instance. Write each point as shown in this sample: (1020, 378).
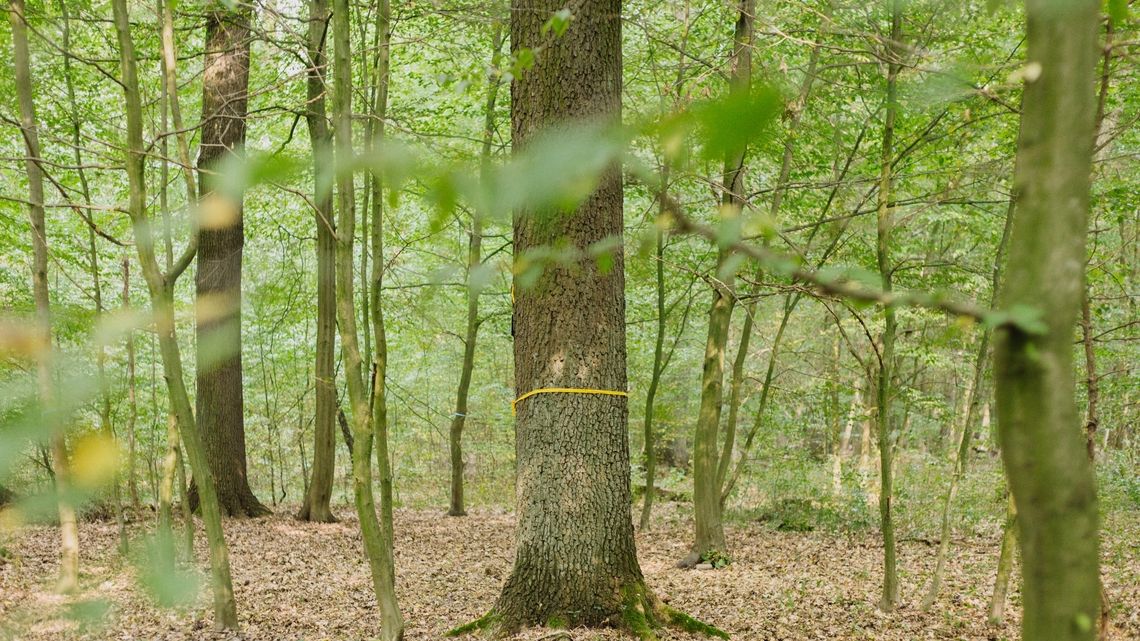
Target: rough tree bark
(1045, 459)
(316, 503)
(69, 528)
(575, 561)
(219, 400)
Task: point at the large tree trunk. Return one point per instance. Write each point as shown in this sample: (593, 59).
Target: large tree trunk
(575, 561)
(1044, 453)
(219, 402)
(161, 288)
(316, 504)
(69, 529)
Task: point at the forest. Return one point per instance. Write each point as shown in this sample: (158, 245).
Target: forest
(569, 320)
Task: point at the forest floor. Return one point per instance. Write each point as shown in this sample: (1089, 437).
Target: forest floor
(299, 581)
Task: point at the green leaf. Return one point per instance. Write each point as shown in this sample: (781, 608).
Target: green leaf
(1117, 10)
(1084, 623)
(521, 61)
(731, 124)
(479, 277)
(1028, 319)
(558, 23)
(730, 266)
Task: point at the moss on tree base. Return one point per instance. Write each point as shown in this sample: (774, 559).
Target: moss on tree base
(483, 623)
(641, 614)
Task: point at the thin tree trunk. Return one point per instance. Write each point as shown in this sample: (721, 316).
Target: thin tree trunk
(1092, 381)
(69, 528)
(392, 621)
(791, 301)
(161, 287)
(319, 493)
(844, 443)
(730, 481)
(474, 258)
(660, 359)
(885, 390)
(707, 511)
(132, 397)
(973, 406)
(174, 470)
(1005, 563)
(166, 493)
(374, 534)
(105, 423)
(1049, 472)
(219, 400)
(650, 453)
(735, 396)
(184, 504)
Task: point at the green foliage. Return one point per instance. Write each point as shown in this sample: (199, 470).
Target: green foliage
(716, 558)
(90, 614)
(1119, 484)
(558, 23)
(796, 515)
(162, 578)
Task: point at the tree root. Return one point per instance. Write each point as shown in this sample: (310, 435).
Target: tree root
(641, 615)
(483, 623)
(689, 623)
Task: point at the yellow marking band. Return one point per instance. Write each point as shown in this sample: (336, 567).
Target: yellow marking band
(564, 390)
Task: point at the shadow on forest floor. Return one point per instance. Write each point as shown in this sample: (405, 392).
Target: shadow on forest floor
(299, 581)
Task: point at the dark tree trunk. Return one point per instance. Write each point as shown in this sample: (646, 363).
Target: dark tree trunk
(316, 504)
(575, 561)
(219, 401)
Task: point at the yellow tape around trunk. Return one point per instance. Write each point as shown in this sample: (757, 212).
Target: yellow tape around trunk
(564, 390)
